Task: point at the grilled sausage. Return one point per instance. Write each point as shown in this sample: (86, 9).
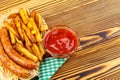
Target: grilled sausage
(15, 56)
(11, 66)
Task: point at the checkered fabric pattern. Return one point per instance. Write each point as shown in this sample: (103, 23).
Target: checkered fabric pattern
(49, 66)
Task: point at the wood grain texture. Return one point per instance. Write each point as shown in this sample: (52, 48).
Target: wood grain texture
(94, 62)
(87, 19)
(5, 4)
(98, 37)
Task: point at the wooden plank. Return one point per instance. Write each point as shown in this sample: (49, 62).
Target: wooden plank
(87, 19)
(5, 4)
(16, 4)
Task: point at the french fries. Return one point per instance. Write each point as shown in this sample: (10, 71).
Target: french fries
(24, 15)
(25, 31)
(25, 52)
(12, 38)
(14, 15)
(36, 51)
(19, 27)
(32, 13)
(41, 49)
(37, 34)
(11, 29)
(29, 48)
(41, 23)
(28, 33)
(27, 41)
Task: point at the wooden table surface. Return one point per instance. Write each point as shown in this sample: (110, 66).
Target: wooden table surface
(100, 61)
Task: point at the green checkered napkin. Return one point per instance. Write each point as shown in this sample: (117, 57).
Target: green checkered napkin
(49, 66)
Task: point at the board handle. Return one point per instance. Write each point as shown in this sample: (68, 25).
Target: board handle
(98, 37)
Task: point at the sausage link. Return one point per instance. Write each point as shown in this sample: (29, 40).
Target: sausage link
(11, 66)
(15, 56)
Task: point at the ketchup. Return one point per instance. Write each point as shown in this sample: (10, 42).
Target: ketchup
(61, 40)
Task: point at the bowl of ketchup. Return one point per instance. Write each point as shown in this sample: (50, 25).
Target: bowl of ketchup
(60, 41)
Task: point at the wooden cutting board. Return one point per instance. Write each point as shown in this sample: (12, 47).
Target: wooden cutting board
(99, 61)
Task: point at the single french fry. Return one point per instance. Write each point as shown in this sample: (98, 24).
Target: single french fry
(25, 52)
(13, 15)
(24, 15)
(38, 18)
(36, 51)
(12, 38)
(32, 13)
(14, 25)
(41, 49)
(28, 33)
(19, 27)
(37, 34)
(40, 22)
(34, 18)
(27, 41)
(11, 29)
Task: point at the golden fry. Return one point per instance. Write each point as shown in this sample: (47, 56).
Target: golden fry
(38, 18)
(11, 29)
(40, 22)
(32, 13)
(36, 51)
(28, 33)
(13, 23)
(41, 49)
(25, 52)
(37, 34)
(27, 41)
(12, 38)
(19, 27)
(24, 15)
(13, 15)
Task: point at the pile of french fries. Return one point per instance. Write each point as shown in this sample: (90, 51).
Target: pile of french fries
(26, 32)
